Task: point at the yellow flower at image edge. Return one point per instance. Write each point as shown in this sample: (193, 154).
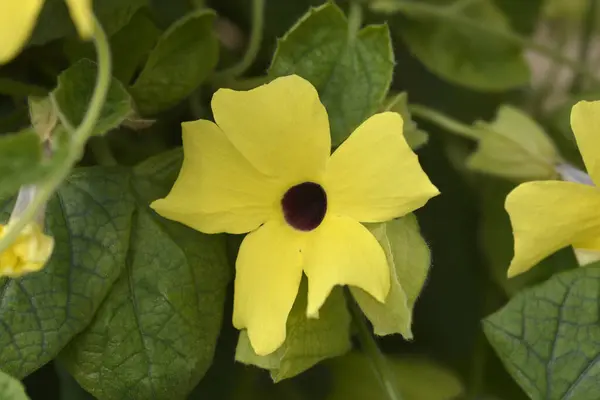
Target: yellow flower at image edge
(18, 17)
(265, 167)
(29, 253)
(550, 215)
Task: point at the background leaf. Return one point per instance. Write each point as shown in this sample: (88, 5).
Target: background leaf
(514, 146)
(183, 58)
(460, 53)
(129, 46)
(352, 71)
(547, 336)
(155, 333)
(55, 22)
(20, 162)
(74, 92)
(308, 341)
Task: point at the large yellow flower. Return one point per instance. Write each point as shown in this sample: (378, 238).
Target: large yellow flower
(265, 167)
(547, 216)
(17, 20)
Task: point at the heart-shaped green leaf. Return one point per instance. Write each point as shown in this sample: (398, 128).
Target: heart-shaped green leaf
(183, 58)
(155, 333)
(74, 92)
(351, 68)
(547, 336)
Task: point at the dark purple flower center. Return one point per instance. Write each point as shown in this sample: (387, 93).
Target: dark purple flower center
(304, 206)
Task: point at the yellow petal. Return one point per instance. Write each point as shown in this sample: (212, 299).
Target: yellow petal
(547, 216)
(82, 15)
(281, 127)
(268, 274)
(29, 252)
(17, 19)
(341, 251)
(374, 176)
(585, 122)
(217, 189)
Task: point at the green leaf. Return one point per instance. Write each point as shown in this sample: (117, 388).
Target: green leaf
(17, 88)
(74, 92)
(55, 21)
(308, 341)
(129, 46)
(418, 378)
(522, 15)
(547, 336)
(460, 53)
(155, 333)
(351, 69)
(11, 389)
(40, 313)
(42, 115)
(20, 160)
(183, 58)
(409, 260)
(514, 146)
(414, 136)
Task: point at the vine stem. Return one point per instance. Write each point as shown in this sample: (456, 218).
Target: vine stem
(444, 121)
(256, 35)
(354, 20)
(379, 363)
(102, 152)
(434, 11)
(76, 145)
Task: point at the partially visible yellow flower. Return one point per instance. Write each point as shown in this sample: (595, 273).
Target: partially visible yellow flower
(547, 216)
(265, 167)
(29, 253)
(18, 17)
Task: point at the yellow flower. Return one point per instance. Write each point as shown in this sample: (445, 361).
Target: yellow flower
(547, 216)
(17, 20)
(28, 253)
(265, 167)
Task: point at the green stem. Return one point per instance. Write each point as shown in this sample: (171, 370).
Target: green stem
(354, 20)
(442, 13)
(379, 363)
(256, 35)
(585, 42)
(12, 87)
(102, 152)
(76, 145)
(444, 121)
